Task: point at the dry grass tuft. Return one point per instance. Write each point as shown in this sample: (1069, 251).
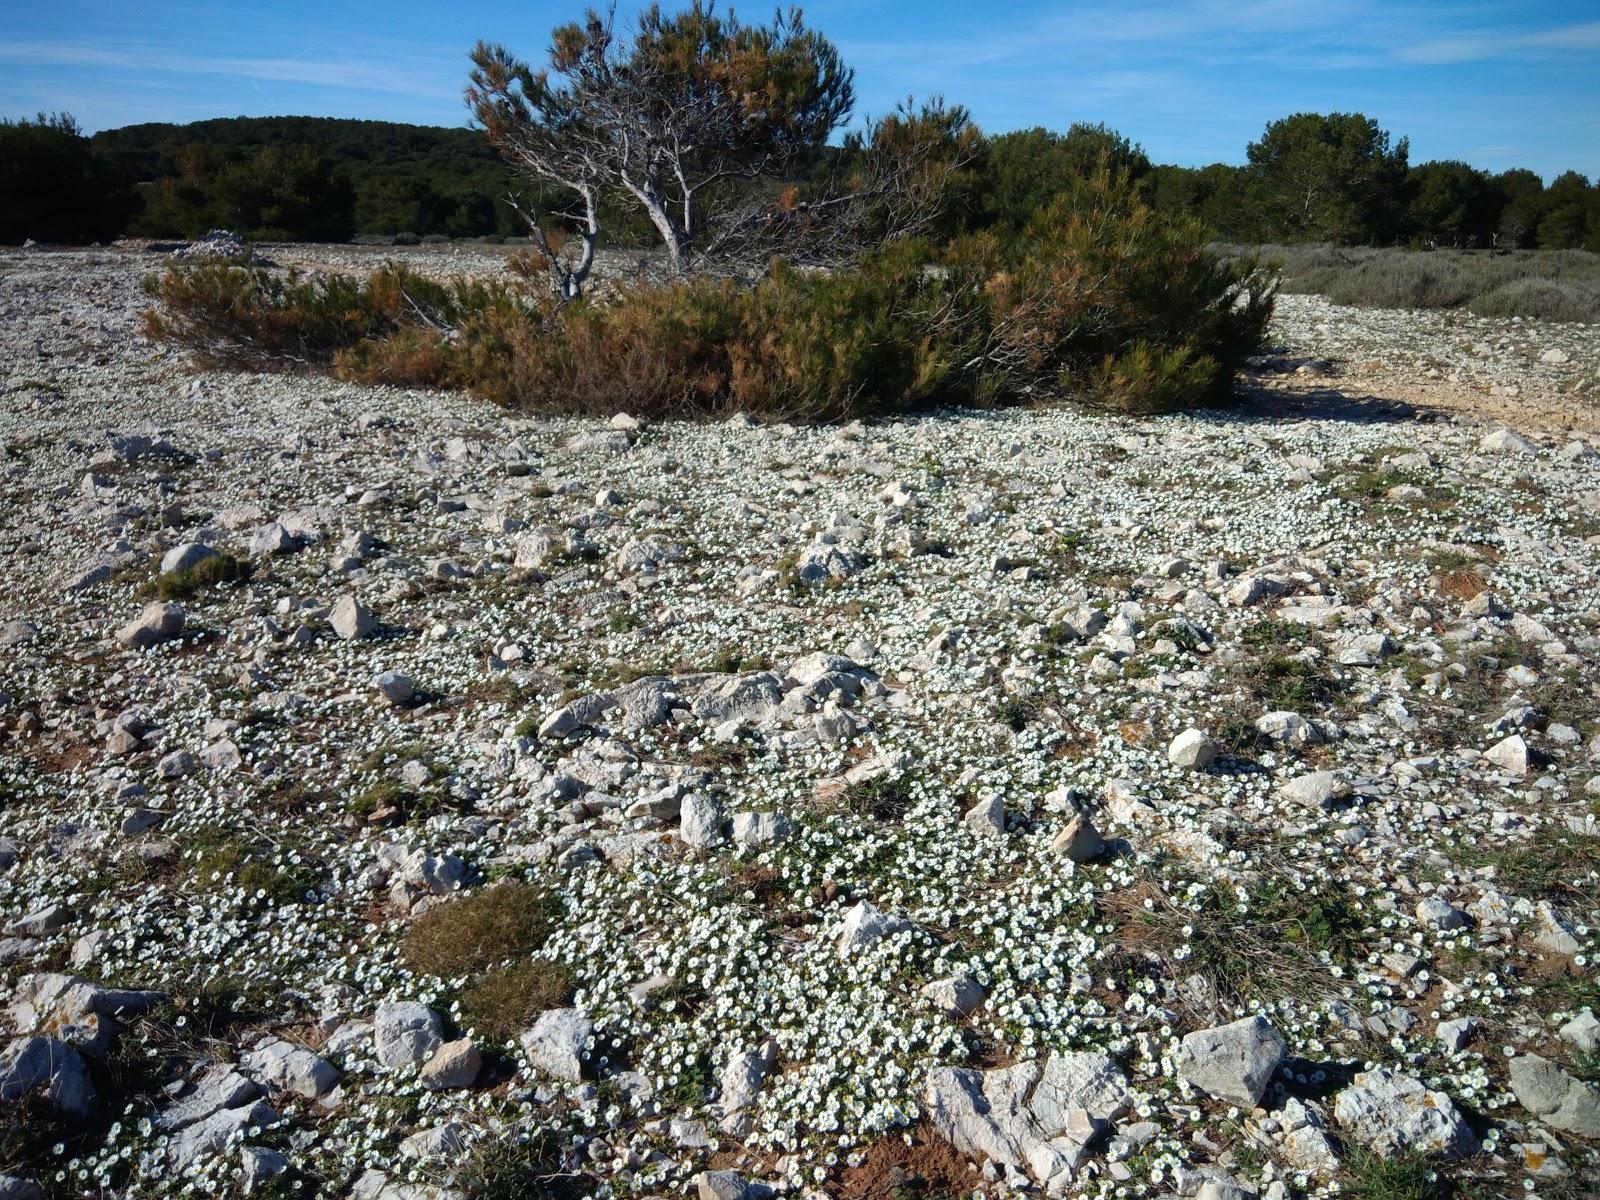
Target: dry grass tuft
(892, 1170)
(505, 1001)
(481, 931)
(490, 938)
(1461, 584)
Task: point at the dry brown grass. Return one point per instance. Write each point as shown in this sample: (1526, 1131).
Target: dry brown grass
(1461, 584)
(490, 937)
(892, 1170)
(483, 930)
(505, 1001)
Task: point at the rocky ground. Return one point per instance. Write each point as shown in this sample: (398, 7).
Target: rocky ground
(401, 799)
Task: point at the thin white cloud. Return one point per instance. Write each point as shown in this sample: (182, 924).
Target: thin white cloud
(1566, 39)
(354, 72)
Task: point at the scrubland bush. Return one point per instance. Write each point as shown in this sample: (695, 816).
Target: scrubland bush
(1101, 298)
(1546, 299)
(240, 316)
(1125, 306)
(1550, 285)
(209, 572)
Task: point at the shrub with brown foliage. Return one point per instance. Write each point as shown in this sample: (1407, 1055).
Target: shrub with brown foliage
(1102, 299)
(245, 317)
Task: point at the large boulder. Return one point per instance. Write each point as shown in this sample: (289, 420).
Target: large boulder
(1233, 1062)
(700, 821)
(739, 1084)
(1556, 1098)
(73, 1009)
(51, 1068)
(405, 1033)
(1507, 440)
(1192, 751)
(1316, 789)
(957, 995)
(749, 699)
(576, 715)
(1079, 841)
(156, 623)
(222, 1086)
(753, 830)
(865, 924)
(286, 1067)
(1394, 1114)
(214, 1133)
(351, 619)
(1039, 1117)
(557, 1043)
(453, 1065)
(186, 557)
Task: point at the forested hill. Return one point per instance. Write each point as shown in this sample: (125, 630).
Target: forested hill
(1311, 177)
(370, 177)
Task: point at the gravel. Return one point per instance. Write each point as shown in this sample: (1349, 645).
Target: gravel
(1143, 807)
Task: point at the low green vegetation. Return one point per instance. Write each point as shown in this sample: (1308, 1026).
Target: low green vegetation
(1371, 1176)
(1269, 940)
(527, 1166)
(1282, 677)
(222, 858)
(881, 799)
(1550, 285)
(208, 573)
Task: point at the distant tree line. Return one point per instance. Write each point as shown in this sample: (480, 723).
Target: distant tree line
(1310, 177)
(53, 187)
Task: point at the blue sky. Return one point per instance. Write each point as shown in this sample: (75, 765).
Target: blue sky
(1497, 84)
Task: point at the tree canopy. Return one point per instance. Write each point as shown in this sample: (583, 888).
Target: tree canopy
(1026, 169)
(1331, 177)
(53, 188)
(688, 102)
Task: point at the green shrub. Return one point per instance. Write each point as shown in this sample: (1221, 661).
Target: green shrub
(1101, 298)
(1542, 299)
(404, 358)
(1150, 379)
(1105, 296)
(180, 585)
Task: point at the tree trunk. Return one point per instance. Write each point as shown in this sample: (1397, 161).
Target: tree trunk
(573, 284)
(674, 238)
